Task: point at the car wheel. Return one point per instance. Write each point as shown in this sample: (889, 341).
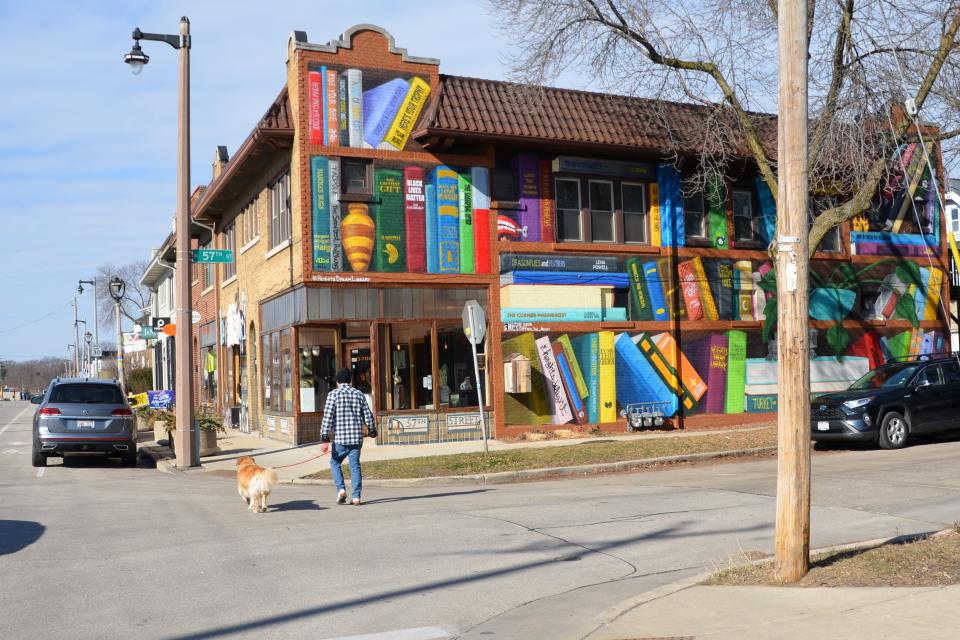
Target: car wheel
(39, 459)
(893, 431)
(129, 458)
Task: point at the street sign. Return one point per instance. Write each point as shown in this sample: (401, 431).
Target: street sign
(474, 322)
(159, 323)
(212, 255)
(96, 351)
(170, 329)
(148, 333)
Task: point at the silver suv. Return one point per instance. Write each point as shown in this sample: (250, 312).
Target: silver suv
(83, 415)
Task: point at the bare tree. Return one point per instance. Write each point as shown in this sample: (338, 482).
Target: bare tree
(32, 375)
(870, 63)
(135, 297)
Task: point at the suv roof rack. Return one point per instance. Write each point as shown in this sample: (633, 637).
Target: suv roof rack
(938, 355)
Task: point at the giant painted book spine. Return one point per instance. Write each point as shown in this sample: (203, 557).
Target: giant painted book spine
(448, 219)
(390, 248)
(556, 392)
(581, 383)
(319, 171)
(315, 115)
(577, 407)
(656, 225)
(710, 357)
(717, 212)
(529, 214)
(676, 309)
(640, 307)
(736, 371)
(768, 212)
(530, 262)
(706, 296)
(480, 179)
(691, 380)
(336, 218)
(690, 290)
(545, 314)
(355, 97)
(343, 110)
(415, 218)
(547, 210)
(671, 206)
(433, 246)
(406, 118)
(658, 300)
(586, 348)
(333, 108)
(465, 193)
(667, 372)
(637, 382)
(719, 276)
(380, 105)
(932, 303)
(608, 376)
(533, 407)
(325, 104)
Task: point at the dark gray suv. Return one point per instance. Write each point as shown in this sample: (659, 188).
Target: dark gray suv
(83, 415)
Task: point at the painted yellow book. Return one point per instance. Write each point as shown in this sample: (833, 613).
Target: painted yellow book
(933, 294)
(706, 296)
(654, 194)
(608, 377)
(406, 118)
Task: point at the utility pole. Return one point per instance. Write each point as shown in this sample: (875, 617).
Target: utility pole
(76, 348)
(793, 416)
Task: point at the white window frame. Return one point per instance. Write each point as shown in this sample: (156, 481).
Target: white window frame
(644, 212)
(702, 235)
(741, 194)
(280, 222)
(612, 212)
(559, 211)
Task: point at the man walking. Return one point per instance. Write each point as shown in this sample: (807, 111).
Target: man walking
(347, 413)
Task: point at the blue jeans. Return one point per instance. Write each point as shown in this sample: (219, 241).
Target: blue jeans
(352, 453)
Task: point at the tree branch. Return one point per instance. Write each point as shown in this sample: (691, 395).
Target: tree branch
(836, 82)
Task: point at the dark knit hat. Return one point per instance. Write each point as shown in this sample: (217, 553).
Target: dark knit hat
(344, 376)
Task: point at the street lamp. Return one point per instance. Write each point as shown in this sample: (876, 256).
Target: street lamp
(96, 325)
(117, 289)
(186, 446)
(81, 349)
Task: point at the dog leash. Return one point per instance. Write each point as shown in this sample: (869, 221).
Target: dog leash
(284, 466)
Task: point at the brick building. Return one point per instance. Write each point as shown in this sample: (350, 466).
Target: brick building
(376, 196)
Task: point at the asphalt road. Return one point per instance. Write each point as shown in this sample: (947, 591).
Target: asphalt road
(93, 550)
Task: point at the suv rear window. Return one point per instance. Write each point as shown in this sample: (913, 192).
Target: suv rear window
(87, 393)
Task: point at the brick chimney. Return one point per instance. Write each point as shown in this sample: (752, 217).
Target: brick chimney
(220, 160)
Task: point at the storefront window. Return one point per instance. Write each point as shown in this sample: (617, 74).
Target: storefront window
(208, 375)
(276, 395)
(457, 379)
(286, 350)
(318, 364)
(407, 378)
(266, 359)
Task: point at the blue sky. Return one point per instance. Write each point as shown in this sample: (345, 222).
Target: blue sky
(88, 151)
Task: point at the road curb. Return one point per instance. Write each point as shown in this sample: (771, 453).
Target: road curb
(509, 477)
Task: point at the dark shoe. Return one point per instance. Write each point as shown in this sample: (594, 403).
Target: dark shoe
(342, 496)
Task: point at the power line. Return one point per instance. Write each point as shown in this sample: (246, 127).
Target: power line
(43, 317)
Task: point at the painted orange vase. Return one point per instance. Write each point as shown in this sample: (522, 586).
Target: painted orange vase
(358, 236)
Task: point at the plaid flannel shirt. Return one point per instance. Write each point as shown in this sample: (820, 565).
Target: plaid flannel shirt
(346, 411)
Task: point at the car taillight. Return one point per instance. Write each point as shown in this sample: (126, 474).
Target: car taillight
(123, 412)
(49, 411)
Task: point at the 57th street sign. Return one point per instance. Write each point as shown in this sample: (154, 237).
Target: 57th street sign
(211, 255)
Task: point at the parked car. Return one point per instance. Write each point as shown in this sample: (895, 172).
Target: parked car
(890, 404)
(83, 415)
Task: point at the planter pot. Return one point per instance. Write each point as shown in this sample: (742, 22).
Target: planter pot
(208, 442)
(143, 424)
(161, 431)
(831, 304)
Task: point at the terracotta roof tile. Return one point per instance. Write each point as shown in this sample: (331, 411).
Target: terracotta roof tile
(475, 108)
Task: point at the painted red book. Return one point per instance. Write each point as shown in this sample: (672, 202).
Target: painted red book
(480, 179)
(333, 109)
(868, 346)
(690, 289)
(315, 119)
(415, 216)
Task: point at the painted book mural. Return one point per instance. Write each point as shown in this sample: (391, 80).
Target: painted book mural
(724, 362)
(364, 109)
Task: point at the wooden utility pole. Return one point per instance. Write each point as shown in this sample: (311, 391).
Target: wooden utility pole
(793, 417)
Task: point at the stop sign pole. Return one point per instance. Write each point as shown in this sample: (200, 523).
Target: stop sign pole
(475, 327)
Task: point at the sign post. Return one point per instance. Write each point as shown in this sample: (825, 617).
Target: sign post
(475, 327)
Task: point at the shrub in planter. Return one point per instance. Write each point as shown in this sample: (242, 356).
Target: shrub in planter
(164, 423)
(210, 425)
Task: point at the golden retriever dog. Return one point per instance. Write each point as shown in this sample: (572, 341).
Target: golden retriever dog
(254, 483)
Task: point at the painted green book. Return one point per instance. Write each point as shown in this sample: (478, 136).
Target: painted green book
(533, 407)
(717, 212)
(586, 347)
(572, 360)
(735, 401)
(390, 246)
(467, 262)
(640, 308)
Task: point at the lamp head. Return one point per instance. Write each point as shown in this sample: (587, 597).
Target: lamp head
(117, 287)
(80, 288)
(137, 59)
(88, 337)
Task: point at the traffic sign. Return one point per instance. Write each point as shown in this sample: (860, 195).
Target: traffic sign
(96, 351)
(474, 322)
(159, 322)
(212, 255)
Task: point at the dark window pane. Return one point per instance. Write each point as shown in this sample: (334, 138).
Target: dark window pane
(568, 224)
(568, 194)
(87, 393)
(601, 225)
(601, 196)
(504, 185)
(633, 198)
(634, 227)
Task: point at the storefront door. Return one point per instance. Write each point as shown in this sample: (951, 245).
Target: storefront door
(356, 356)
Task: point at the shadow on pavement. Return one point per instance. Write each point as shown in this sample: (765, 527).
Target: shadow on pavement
(18, 534)
(429, 495)
(297, 505)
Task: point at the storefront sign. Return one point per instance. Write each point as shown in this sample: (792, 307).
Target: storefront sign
(463, 421)
(271, 423)
(593, 166)
(284, 425)
(406, 425)
(317, 278)
(161, 399)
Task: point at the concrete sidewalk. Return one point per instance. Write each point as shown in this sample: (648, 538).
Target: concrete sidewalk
(293, 463)
(682, 610)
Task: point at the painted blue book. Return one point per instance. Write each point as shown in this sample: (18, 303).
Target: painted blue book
(768, 212)
(323, 106)
(561, 314)
(320, 187)
(920, 295)
(577, 407)
(433, 248)
(885, 348)
(586, 348)
(597, 279)
(926, 347)
(380, 107)
(637, 381)
(448, 218)
(671, 206)
(894, 238)
(658, 301)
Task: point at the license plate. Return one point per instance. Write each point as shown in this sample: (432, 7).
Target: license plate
(823, 426)
(85, 424)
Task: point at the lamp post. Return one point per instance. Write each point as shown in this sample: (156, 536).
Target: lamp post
(88, 338)
(117, 287)
(136, 58)
(96, 325)
(82, 348)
